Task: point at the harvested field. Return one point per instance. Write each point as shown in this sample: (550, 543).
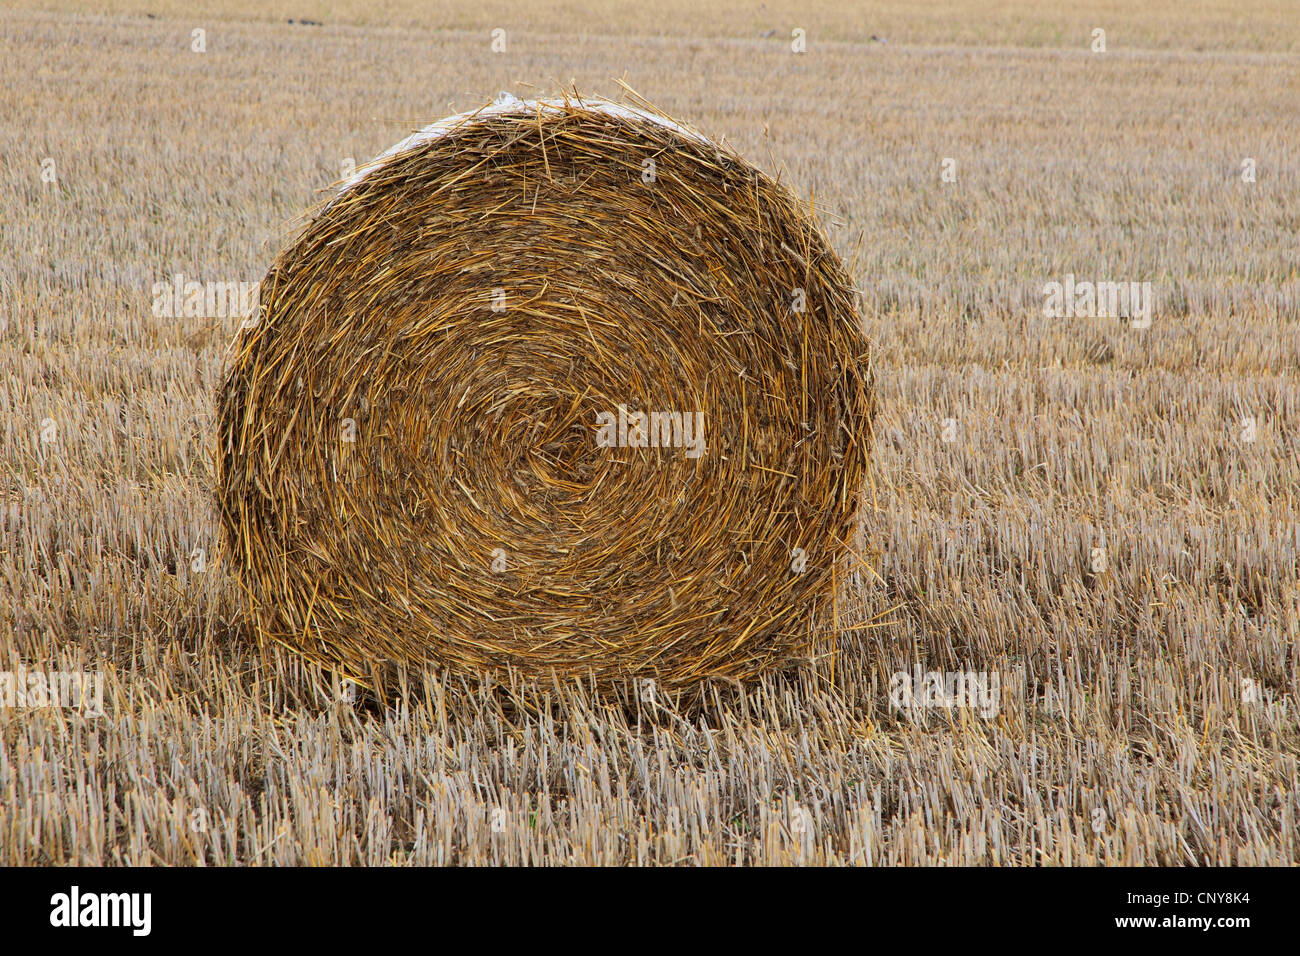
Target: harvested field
(1097, 521)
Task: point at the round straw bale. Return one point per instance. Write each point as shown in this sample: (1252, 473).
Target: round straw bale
(562, 388)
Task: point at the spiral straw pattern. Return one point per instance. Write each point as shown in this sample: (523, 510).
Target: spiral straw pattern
(432, 450)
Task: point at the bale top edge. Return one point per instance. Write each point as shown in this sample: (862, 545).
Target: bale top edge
(508, 103)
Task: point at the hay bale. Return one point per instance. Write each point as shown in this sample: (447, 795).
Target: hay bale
(429, 452)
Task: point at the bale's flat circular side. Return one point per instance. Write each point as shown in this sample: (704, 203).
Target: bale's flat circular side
(428, 443)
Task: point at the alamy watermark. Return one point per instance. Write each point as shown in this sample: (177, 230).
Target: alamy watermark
(74, 908)
(1099, 300)
(651, 430)
(176, 298)
(980, 691)
(74, 690)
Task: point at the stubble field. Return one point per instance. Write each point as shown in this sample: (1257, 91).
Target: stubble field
(1107, 518)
